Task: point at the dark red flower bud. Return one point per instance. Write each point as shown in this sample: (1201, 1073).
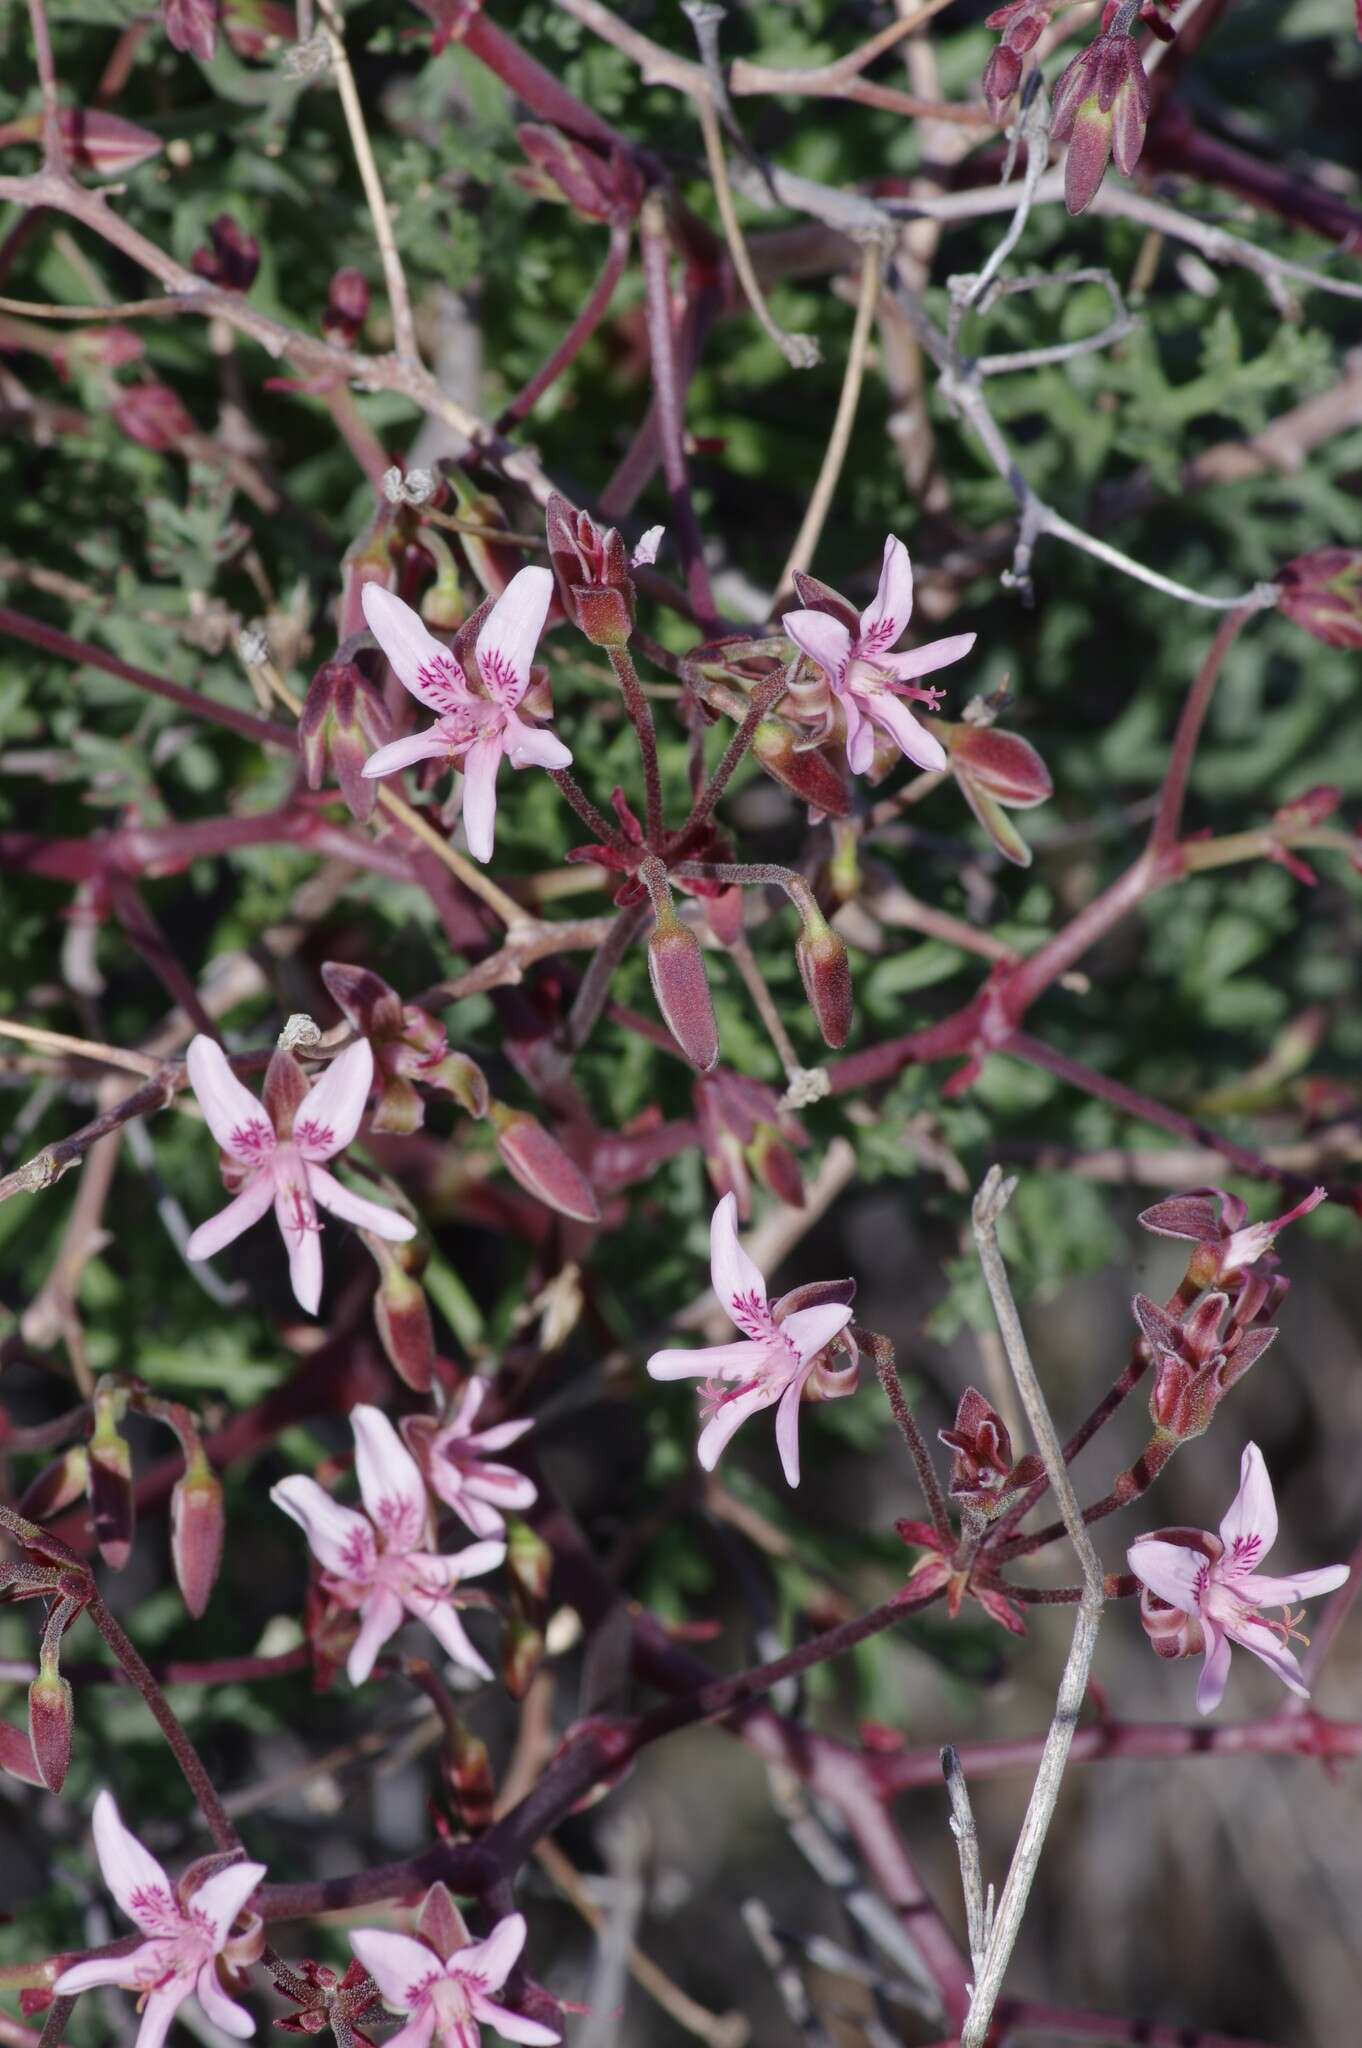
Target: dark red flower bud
(600, 188)
(805, 770)
(466, 1767)
(995, 770)
(591, 566)
(192, 26)
(535, 1159)
(401, 1311)
(343, 722)
(198, 1524)
(1002, 76)
(57, 1486)
(676, 968)
(522, 1653)
(826, 974)
(363, 998)
(256, 28)
(103, 143)
(347, 307)
(51, 1709)
(1322, 594)
(152, 415)
(232, 257)
(1101, 109)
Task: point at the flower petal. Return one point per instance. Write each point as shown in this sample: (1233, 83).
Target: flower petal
(475, 1559)
(725, 1423)
(502, 1485)
(380, 1618)
(427, 745)
(892, 715)
(335, 1103)
(390, 1481)
(1214, 1672)
(888, 613)
(924, 661)
(506, 644)
(221, 1897)
(401, 1968)
(341, 1540)
(417, 2031)
(1265, 1590)
(513, 2025)
(1172, 1570)
(728, 1361)
(448, 1631)
(227, 1226)
(230, 1111)
(356, 1209)
(533, 746)
(1269, 1648)
(1253, 1511)
(499, 1437)
(480, 796)
(737, 1279)
(787, 1427)
(296, 1216)
(809, 1329)
(824, 639)
(132, 1873)
(160, 2009)
(223, 2011)
(99, 1970)
(860, 735)
(493, 1960)
(419, 661)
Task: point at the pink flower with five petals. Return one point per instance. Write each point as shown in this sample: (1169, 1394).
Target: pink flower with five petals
(1216, 1581)
(872, 684)
(773, 1362)
(478, 719)
(185, 1936)
(449, 1997)
(464, 1474)
(279, 1157)
(376, 1562)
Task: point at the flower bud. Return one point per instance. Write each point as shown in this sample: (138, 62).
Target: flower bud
(541, 1166)
(256, 28)
(152, 415)
(776, 1166)
(191, 26)
(1100, 108)
(101, 142)
(591, 566)
(522, 1653)
(442, 604)
(197, 1528)
(1002, 76)
(826, 974)
(676, 968)
(1322, 594)
(232, 258)
(112, 1501)
(401, 1311)
(347, 308)
(51, 1709)
(466, 1767)
(806, 771)
(57, 1486)
(599, 188)
(343, 721)
(981, 1445)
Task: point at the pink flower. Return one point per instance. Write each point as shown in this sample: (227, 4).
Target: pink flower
(477, 720)
(185, 1935)
(1215, 1580)
(773, 1362)
(374, 1562)
(869, 681)
(448, 1997)
(275, 1154)
(461, 1471)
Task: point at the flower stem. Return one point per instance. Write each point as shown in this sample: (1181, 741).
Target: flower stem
(641, 718)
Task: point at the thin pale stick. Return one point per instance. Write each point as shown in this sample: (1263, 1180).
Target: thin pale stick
(834, 455)
(967, 1843)
(394, 277)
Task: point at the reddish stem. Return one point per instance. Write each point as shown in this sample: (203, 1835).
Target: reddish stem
(1167, 825)
(580, 332)
(669, 399)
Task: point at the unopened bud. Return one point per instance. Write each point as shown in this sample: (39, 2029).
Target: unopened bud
(343, 722)
(51, 1718)
(112, 1501)
(541, 1166)
(1100, 108)
(152, 415)
(603, 615)
(522, 1653)
(1322, 594)
(598, 187)
(192, 26)
(347, 308)
(254, 28)
(997, 771)
(776, 1166)
(57, 1486)
(232, 257)
(591, 566)
(197, 1527)
(826, 974)
(466, 1766)
(804, 770)
(401, 1311)
(676, 968)
(1002, 76)
(101, 142)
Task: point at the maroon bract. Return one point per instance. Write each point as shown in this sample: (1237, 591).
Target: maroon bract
(1100, 108)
